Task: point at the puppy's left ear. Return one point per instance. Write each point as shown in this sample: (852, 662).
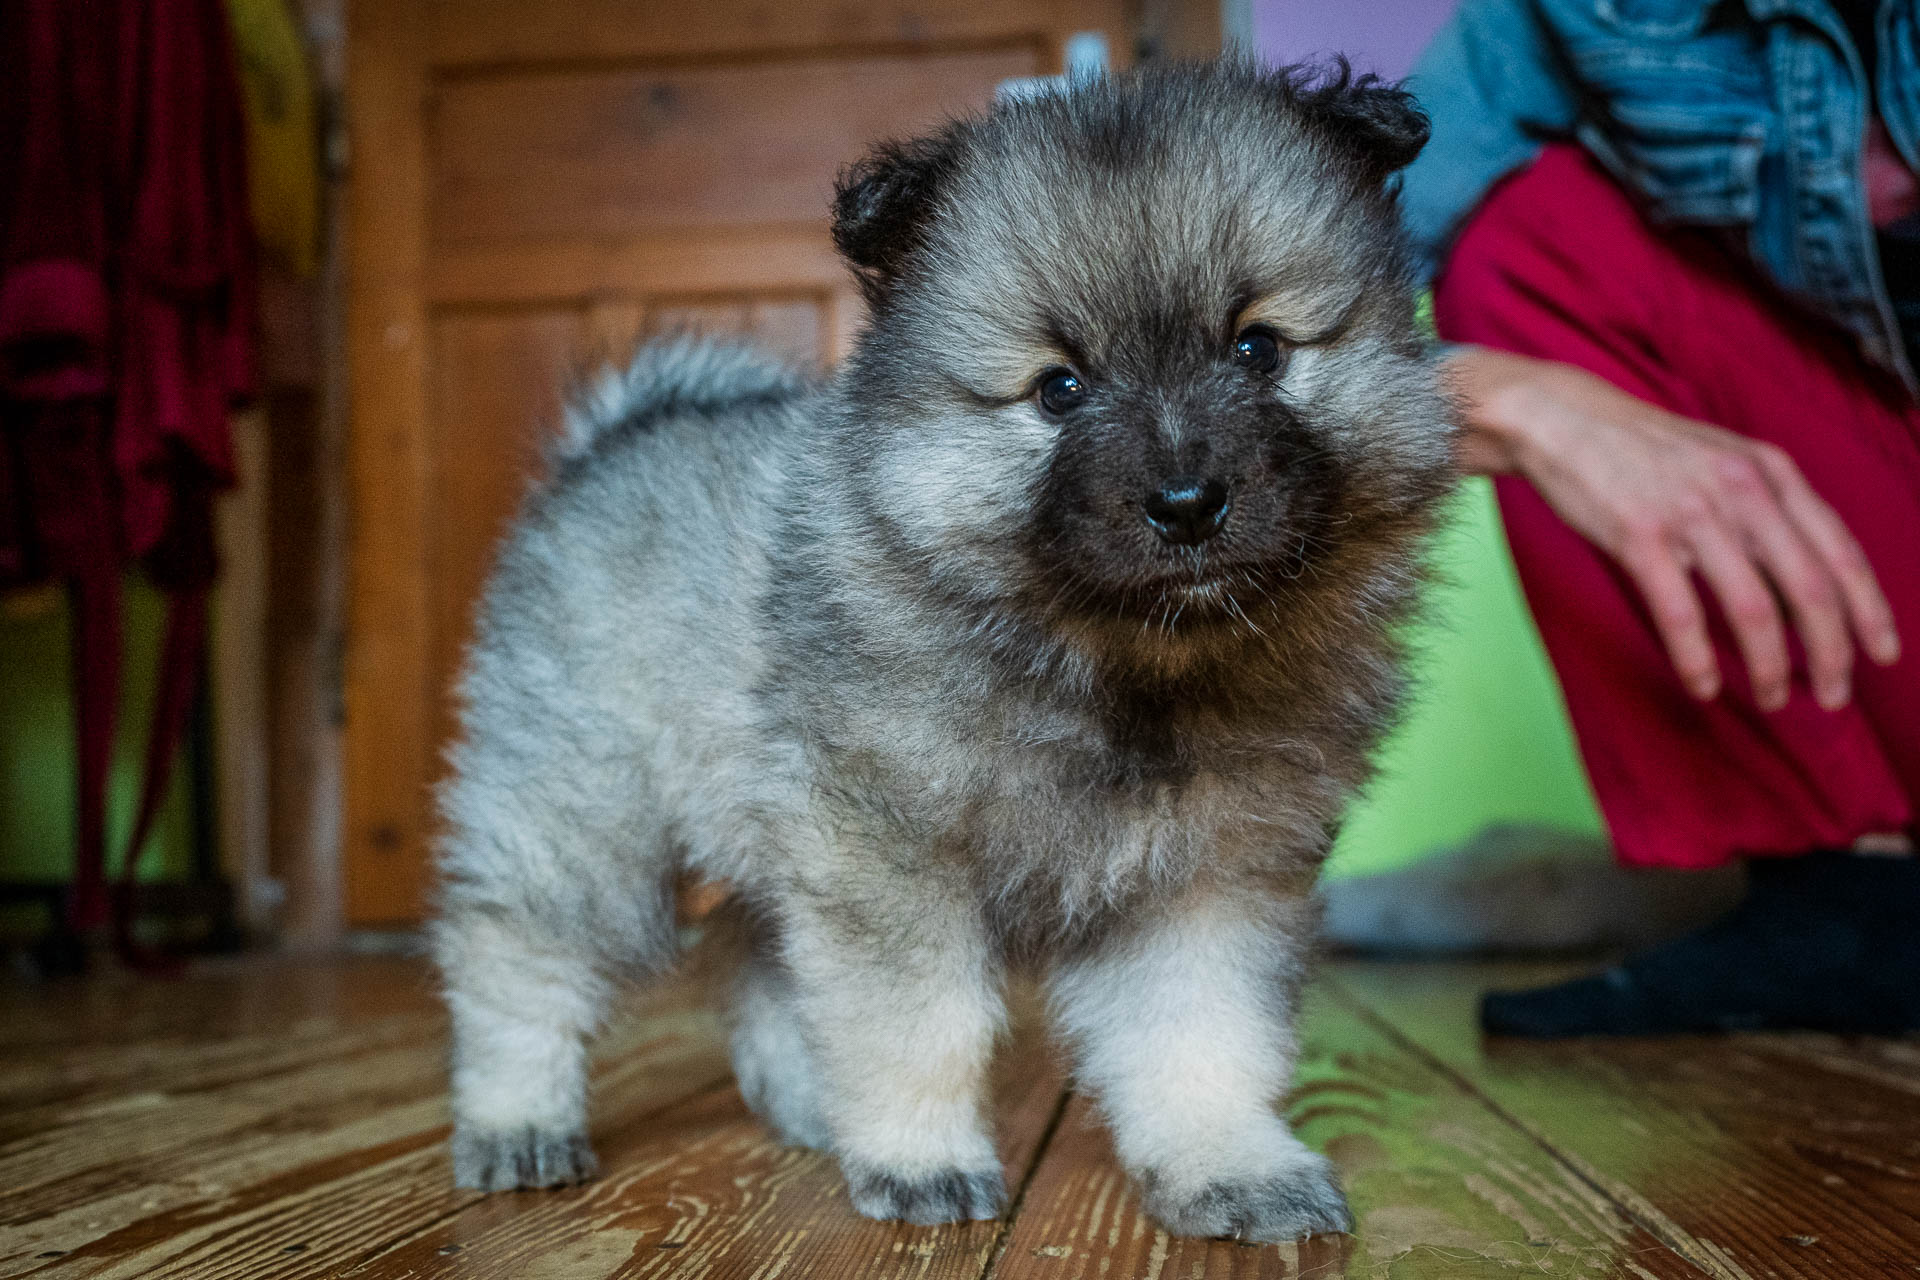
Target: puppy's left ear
(1378, 124)
(882, 204)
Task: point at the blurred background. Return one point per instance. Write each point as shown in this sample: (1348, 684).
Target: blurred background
(450, 208)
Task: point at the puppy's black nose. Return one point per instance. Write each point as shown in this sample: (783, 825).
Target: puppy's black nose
(1187, 509)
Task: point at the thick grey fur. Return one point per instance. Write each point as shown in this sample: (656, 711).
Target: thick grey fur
(899, 656)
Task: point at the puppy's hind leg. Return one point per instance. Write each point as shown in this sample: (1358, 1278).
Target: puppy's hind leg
(772, 1063)
(522, 1009)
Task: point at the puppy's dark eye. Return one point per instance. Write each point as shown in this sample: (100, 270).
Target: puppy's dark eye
(1061, 392)
(1257, 349)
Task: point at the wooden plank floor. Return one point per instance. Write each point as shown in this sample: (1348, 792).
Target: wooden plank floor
(280, 1118)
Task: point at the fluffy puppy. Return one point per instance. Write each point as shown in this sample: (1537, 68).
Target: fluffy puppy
(1053, 632)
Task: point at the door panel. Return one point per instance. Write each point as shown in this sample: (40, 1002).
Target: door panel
(536, 187)
(497, 384)
(618, 153)
(793, 327)
(489, 33)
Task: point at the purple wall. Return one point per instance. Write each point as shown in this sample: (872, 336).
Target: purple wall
(1378, 35)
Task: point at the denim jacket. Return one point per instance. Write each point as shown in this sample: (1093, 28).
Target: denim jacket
(1748, 115)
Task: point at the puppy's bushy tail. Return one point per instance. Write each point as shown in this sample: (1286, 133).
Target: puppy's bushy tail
(687, 373)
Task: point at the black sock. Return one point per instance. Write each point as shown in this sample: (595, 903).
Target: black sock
(1828, 942)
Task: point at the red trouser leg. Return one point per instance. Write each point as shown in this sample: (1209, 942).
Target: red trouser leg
(1559, 264)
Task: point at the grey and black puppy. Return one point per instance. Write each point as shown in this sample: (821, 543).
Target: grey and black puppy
(1053, 633)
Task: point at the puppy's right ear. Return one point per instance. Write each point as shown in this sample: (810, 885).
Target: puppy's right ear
(881, 206)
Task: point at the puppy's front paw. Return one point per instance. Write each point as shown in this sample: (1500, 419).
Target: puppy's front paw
(950, 1195)
(1302, 1199)
(493, 1160)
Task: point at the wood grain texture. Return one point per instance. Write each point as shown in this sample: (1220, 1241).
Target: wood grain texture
(234, 1151)
(497, 381)
(703, 1190)
(793, 327)
(306, 559)
(1440, 1186)
(719, 261)
(268, 1119)
(491, 34)
(599, 155)
(1751, 1155)
(389, 745)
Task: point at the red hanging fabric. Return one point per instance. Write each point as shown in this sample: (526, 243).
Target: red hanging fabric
(126, 332)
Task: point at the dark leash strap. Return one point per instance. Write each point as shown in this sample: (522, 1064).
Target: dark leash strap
(76, 522)
(96, 685)
(182, 564)
(177, 684)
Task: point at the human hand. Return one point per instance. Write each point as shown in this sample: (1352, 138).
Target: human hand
(1666, 497)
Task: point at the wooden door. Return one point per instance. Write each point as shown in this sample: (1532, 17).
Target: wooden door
(536, 184)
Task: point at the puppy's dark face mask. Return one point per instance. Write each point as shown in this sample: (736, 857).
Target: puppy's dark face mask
(1183, 476)
(1142, 352)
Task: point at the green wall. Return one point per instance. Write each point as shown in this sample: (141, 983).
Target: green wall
(37, 746)
(1487, 741)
